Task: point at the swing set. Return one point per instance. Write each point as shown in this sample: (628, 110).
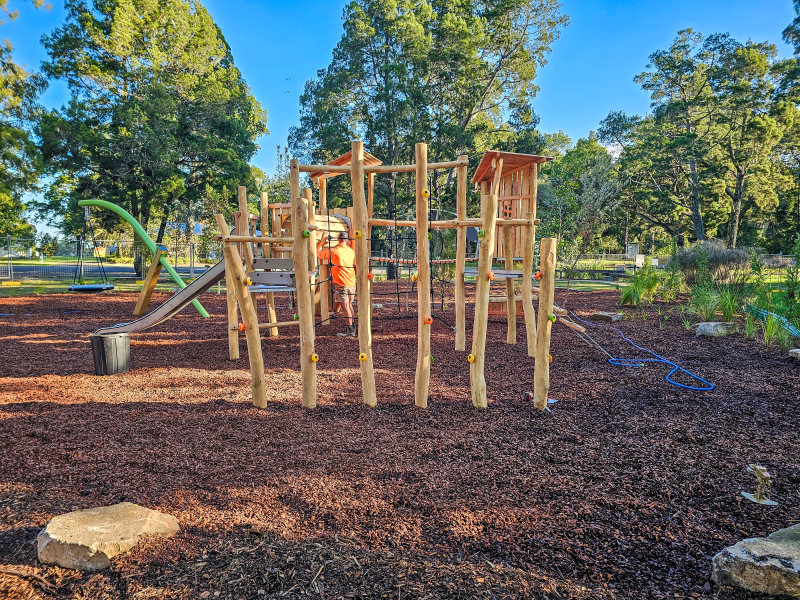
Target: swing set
(78, 284)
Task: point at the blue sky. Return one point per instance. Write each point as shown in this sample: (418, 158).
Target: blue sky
(279, 45)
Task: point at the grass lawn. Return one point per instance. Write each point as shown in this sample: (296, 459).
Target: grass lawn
(50, 286)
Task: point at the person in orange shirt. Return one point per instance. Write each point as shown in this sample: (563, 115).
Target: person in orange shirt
(343, 272)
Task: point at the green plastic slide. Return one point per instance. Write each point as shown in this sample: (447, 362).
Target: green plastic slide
(139, 230)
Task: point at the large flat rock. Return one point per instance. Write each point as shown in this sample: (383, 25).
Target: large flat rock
(606, 316)
(88, 539)
(716, 329)
(795, 354)
(769, 565)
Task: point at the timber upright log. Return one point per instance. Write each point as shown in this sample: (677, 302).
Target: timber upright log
(362, 272)
(238, 279)
(485, 256)
(230, 297)
(530, 187)
(423, 374)
(541, 374)
(461, 256)
(305, 299)
(324, 270)
(266, 252)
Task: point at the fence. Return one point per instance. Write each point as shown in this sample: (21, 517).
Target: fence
(22, 259)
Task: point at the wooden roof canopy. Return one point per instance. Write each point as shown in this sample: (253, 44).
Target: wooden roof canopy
(511, 162)
(343, 161)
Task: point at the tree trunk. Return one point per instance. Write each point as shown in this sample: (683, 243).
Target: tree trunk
(737, 196)
(697, 216)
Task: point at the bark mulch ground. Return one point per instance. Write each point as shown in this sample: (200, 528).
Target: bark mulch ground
(625, 490)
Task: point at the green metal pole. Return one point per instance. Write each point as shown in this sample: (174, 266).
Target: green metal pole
(139, 230)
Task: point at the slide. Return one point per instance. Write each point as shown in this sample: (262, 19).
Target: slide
(146, 239)
(174, 305)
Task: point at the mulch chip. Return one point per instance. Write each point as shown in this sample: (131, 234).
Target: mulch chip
(625, 490)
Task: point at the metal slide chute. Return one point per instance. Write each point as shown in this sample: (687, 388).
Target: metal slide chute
(172, 306)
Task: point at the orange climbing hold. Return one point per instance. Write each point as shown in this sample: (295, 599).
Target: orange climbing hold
(491, 276)
(538, 275)
(428, 320)
(241, 327)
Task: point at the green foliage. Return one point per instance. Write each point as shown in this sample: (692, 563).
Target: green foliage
(771, 327)
(670, 280)
(728, 304)
(642, 288)
(784, 339)
(710, 150)
(684, 319)
(158, 113)
(761, 286)
(749, 325)
(704, 303)
(458, 75)
(792, 279)
(20, 163)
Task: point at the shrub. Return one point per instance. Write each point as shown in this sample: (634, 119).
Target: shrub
(771, 328)
(793, 278)
(710, 260)
(749, 325)
(784, 338)
(642, 288)
(670, 280)
(704, 303)
(728, 303)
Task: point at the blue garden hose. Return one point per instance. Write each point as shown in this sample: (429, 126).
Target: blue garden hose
(634, 362)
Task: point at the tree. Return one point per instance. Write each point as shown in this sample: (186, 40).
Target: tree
(446, 72)
(752, 118)
(565, 206)
(709, 149)
(159, 116)
(19, 157)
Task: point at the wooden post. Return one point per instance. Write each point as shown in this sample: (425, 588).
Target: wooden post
(244, 220)
(149, 284)
(305, 299)
(308, 194)
(423, 374)
(233, 319)
(233, 265)
(529, 185)
(324, 270)
(485, 255)
(362, 270)
(498, 178)
(511, 303)
(461, 256)
(323, 192)
(368, 234)
(541, 374)
(265, 253)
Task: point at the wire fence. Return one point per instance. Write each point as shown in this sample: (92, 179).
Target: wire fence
(24, 259)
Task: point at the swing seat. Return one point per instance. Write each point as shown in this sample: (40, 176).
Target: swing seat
(91, 288)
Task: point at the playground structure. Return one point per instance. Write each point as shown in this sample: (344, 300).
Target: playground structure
(508, 185)
(159, 260)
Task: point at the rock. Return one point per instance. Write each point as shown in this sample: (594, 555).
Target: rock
(768, 565)
(88, 539)
(605, 316)
(795, 354)
(716, 329)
